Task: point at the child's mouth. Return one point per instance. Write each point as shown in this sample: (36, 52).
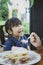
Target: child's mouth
(20, 31)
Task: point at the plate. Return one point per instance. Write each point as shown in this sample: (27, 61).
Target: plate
(3, 60)
(34, 58)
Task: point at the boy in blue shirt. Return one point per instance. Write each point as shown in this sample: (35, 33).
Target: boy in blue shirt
(14, 28)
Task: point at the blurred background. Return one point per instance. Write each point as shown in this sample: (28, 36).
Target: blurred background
(16, 8)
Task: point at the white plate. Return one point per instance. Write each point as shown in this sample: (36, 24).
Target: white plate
(35, 57)
(4, 61)
(32, 55)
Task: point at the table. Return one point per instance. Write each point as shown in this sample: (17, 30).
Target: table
(41, 53)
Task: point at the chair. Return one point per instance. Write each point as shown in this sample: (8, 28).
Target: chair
(2, 39)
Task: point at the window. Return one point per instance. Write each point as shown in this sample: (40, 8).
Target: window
(20, 9)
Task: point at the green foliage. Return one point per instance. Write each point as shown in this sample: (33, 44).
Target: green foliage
(31, 3)
(3, 1)
(14, 13)
(3, 9)
(26, 27)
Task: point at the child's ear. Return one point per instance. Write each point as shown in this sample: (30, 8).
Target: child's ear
(9, 31)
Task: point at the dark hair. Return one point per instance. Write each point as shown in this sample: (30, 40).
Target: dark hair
(11, 23)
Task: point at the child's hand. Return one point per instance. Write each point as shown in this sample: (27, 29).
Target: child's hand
(14, 47)
(24, 41)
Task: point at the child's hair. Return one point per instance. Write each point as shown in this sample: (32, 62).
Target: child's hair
(11, 23)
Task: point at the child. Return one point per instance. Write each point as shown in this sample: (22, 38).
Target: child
(14, 28)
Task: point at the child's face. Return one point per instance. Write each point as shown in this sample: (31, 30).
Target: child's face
(17, 31)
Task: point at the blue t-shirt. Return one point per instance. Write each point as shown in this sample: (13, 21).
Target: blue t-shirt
(12, 41)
